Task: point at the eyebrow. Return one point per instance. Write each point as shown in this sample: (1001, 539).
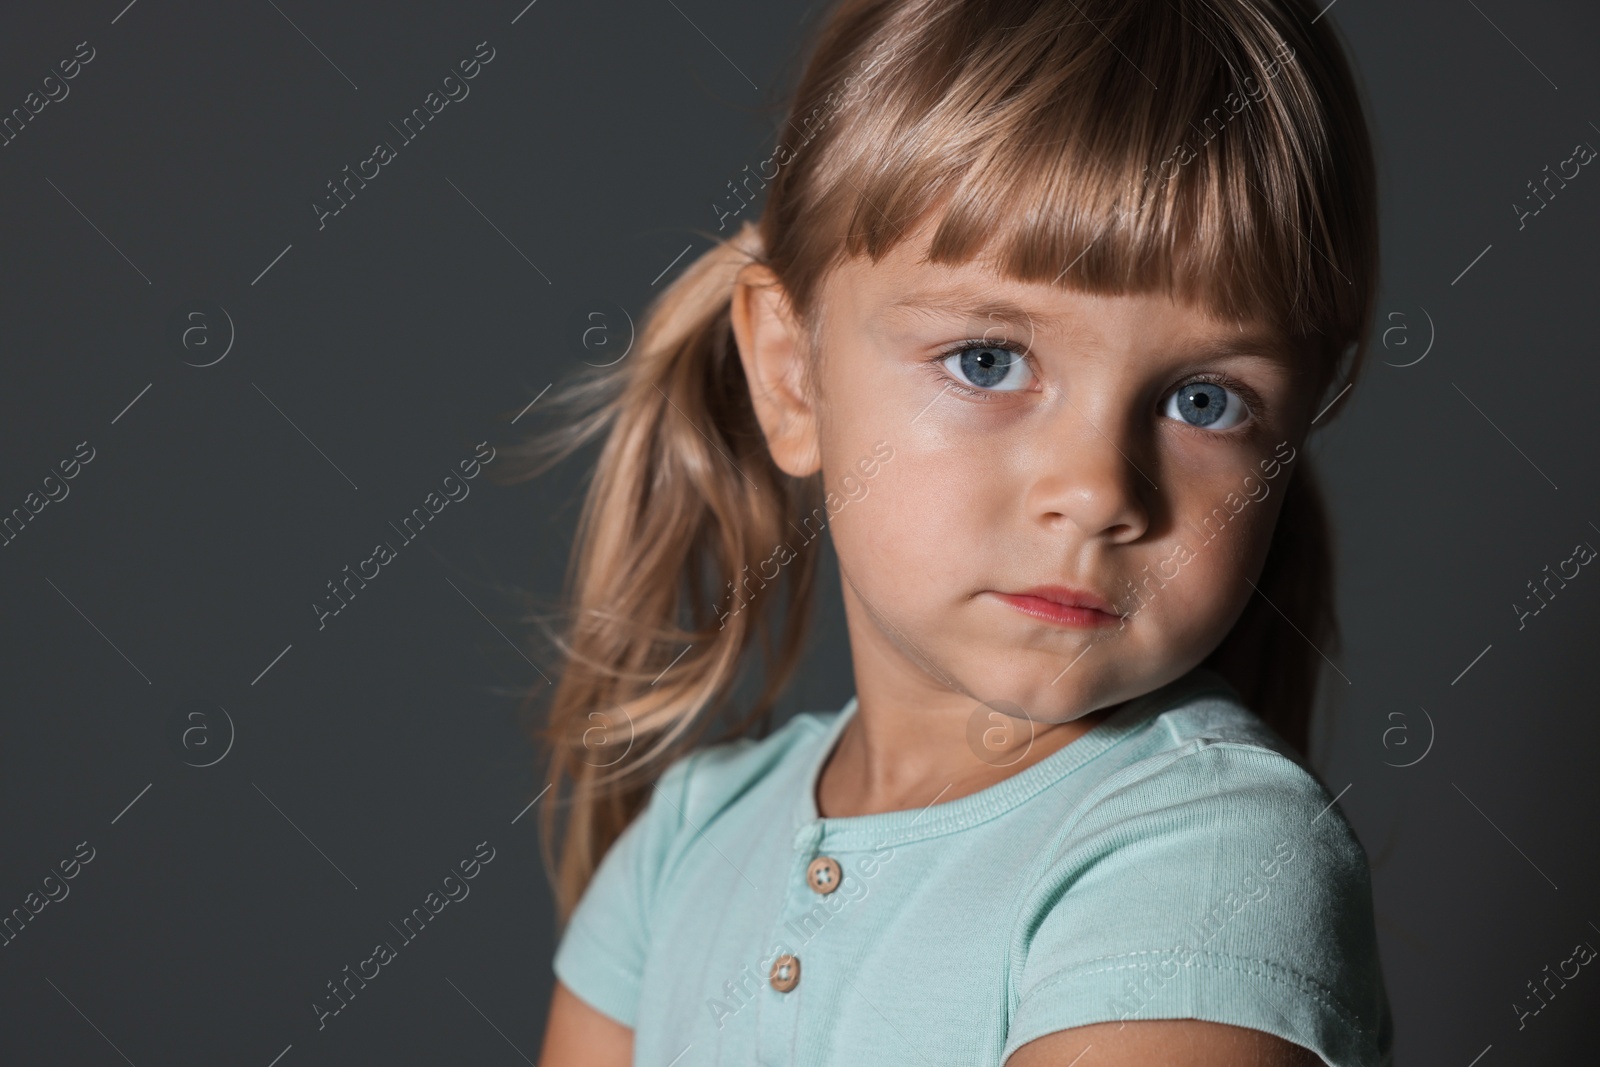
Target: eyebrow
(961, 304)
(1264, 347)
(964, 305)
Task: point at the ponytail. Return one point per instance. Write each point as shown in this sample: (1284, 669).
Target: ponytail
(685, 498)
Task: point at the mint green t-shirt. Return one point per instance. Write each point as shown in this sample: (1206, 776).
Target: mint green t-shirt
(1174, 862)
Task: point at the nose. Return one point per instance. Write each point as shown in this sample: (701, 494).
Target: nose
(1086, 475)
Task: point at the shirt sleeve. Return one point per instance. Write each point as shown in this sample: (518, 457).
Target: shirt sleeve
(1223, 885)
(601, 954)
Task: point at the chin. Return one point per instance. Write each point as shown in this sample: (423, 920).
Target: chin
(1038, 686)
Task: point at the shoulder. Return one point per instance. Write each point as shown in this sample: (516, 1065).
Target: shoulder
(1204, 708)
(1222, 802)
(1240, 819)
(708, 781)
(1212, 876)
(1207, 763)
(1214, 773)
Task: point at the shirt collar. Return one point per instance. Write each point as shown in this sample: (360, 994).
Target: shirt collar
(891, 828)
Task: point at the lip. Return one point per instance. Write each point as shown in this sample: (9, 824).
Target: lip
(1063, 605)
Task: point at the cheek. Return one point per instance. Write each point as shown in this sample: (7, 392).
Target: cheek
(929, 507)
(1212, 590)
(919, 532)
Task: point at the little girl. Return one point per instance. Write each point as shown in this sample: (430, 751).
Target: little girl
(1043, 300)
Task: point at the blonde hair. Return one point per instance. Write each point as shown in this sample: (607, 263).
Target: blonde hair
(1212, 149)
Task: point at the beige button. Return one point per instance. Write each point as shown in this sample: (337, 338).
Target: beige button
(785, 973)
(824, 874)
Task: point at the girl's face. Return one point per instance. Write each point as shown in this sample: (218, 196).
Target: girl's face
(991, 446)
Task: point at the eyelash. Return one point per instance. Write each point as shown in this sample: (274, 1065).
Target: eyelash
(1252, 399)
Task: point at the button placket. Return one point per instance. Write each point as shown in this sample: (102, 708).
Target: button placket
(819, 874)
(778, 1009)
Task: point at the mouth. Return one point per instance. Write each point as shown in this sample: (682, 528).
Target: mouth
(1058, 604)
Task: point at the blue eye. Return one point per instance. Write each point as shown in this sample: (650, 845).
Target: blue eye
(991, 368)
(1206, 405)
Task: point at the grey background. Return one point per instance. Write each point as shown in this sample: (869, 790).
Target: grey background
(373, 354)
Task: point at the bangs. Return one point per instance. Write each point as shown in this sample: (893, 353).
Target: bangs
(1112, 147)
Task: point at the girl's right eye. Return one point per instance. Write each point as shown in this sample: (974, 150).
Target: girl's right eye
(992, 368)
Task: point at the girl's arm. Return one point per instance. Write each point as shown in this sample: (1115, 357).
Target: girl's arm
(1170, 1042)
(576, 1035)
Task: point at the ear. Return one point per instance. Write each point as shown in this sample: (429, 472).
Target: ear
(772, 347)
